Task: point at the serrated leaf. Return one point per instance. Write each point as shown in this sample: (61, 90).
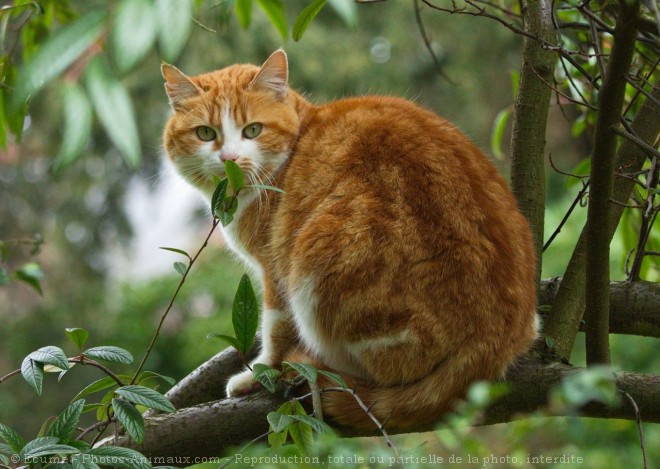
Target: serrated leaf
(31, 274)
(265, 187)
(49, 450)
(174, 26)
(36, 444)
(305, 18)
(100, 385)
(77, 335)
(178, 251)
(497, 134)
(245, 315)
(12, 438)
(110, 353)
(244, 13)
(114, 109)
(80, 461)
(33, 373)
(334, 377)
(235, 175)
(180, 267)
(307, 371)
(133, 32)
(275, 12)
(77, 125)
(218, 197)
(51, 355)
(226, 338)
(146, 397)
(66, 423)
(267, 376)
(56, 54)
(147, 375)
(114, 456)
(130, 418)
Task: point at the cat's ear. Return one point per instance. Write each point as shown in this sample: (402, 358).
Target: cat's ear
(274, 75)
(178, 85)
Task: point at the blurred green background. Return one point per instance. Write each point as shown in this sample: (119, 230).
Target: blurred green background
(103, 221)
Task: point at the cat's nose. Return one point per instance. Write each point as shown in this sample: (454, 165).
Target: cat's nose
(228, 155)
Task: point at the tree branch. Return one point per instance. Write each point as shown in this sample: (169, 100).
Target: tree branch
(530, 117)
(210, 429)
(611, 99)
(564, 323)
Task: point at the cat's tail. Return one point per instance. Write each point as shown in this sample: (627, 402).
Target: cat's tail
(416, 405)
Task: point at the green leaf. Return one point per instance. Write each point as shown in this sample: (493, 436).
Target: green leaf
(265, 187)
(334, 377)
(103, 411)
(244, 13)
(77, 125)
(146, 397)
(33, 373)
(305, 370)
(180, 267)
(278, 422)
(93, 407)
(100, 385)
(147, 375)
(31, 274)
(497, 134)
(317, 425)
(226, 338)
(174, 26)
(301, 431)
(178, 251)
(66, 423)
(51, 355)
(245, 315)
(130, 418)
(80, 461)
(217, 207)
(123, 458)
(49, 450)
(347, 11)
(267, 376)
(305, 18)
(12, 438)
(133, 33)
(275, 12)
(77, 335)
(56, 55)
(81, 445)
(114, 109)
(235, 175)
(36, 444)
(110, 353)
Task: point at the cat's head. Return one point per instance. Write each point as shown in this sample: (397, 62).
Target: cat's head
(242, 113)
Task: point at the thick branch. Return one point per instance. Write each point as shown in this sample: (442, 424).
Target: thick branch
(611, 99)
(569, 305)
(530, 117)
(210, 429)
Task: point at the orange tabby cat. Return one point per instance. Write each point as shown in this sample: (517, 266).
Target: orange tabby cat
(397, 256)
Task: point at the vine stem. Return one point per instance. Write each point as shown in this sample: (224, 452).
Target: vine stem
(174, 296)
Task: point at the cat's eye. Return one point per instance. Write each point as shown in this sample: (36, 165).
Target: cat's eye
(252, 130)
(204, 133)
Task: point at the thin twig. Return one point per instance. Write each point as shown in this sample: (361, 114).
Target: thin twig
(82, 360)
(169, 306)
(636, 140)
(563, 221)
(639, 427)
(427, 44)
(367, 410)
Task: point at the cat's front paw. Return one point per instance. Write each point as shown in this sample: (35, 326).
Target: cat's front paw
(241, 384)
